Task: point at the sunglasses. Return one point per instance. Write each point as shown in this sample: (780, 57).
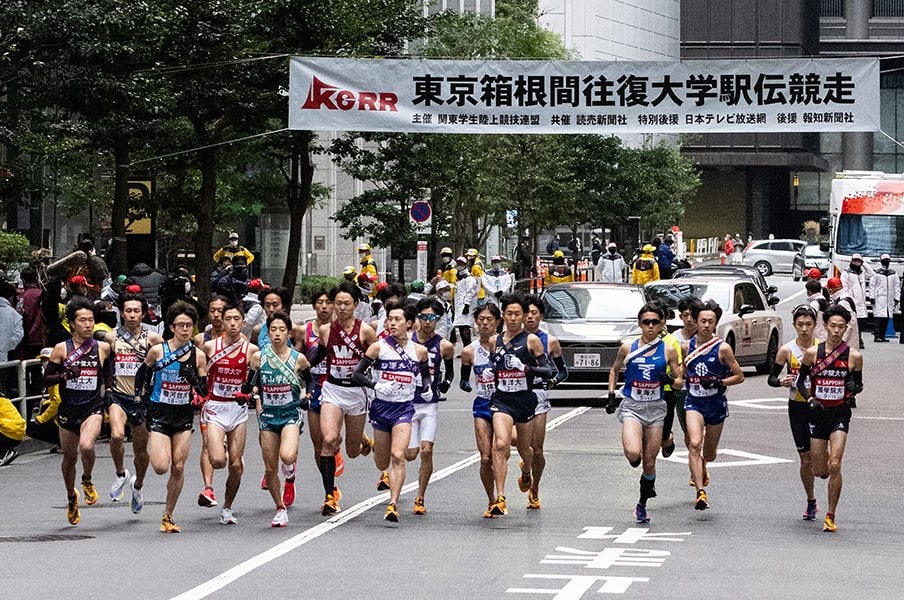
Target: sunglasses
(428, 317)
(650, 321)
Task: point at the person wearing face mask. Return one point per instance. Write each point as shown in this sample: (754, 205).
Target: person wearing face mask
(232, 249)
(611, 266)
(447, 269)
(854, 280)
(884, 285)
(443, 292)
(367, 263)
(465, 298)
(234, 285)
(559, 272)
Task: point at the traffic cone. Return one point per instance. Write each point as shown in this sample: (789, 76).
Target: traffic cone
(890, 330)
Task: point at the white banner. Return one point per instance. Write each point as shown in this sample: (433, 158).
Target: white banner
(703, 96)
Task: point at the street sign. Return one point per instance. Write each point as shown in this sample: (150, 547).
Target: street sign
(422, 260)
(421, 213)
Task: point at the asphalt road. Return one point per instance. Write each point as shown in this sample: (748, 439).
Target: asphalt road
(752, 543)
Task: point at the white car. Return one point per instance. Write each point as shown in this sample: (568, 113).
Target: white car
(748, 324)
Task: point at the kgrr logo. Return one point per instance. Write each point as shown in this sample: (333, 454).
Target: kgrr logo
(330, 97)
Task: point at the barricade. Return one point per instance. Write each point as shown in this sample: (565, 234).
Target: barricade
(21, 367)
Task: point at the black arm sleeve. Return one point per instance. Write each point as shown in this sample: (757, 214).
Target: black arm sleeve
(464, 382)
(251, 381)
(448, 370)
(141, 380)
(855, 384)
(316, 356)
(543, 369)
(360, 376)
(426, 380)
(773, 375)
(802, 378)
(562, 373)
(54, 374)
(108, 373)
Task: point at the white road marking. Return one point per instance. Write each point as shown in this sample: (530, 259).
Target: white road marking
(762, 403)
(220, 581)
(751, 459)
(792, 297)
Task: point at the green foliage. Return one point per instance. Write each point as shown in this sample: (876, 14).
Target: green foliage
(13, 247)
(310, 283)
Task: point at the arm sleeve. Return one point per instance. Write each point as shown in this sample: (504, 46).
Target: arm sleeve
(543, 368)
(562, 370)
(108, 373)
(360, 375)
(856, 384)
(802, 378)
(425, 374)
(465, 381)
(448, 369)
(251, 381)
(141, 380)
(773, 375)
(316, 356)
(54, 374)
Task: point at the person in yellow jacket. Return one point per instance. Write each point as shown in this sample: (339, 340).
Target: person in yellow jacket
(645, 269)
(367, 262)
(233, 249)
(477, 271)
(447, 268)
(559, 272)
(12, 431)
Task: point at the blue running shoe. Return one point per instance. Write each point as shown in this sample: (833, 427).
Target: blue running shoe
(812, 509)
(640, 514)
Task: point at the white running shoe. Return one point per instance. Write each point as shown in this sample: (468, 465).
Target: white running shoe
(118, 489)
(227, 518)
(281, 519)
(288, 471)
(137, 502)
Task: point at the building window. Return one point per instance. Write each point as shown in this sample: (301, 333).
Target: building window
(887, 8)
(831, 8)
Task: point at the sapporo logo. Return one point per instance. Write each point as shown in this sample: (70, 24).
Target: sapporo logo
(322, 95)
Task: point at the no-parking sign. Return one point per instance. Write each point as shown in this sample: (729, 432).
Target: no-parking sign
(421, 215)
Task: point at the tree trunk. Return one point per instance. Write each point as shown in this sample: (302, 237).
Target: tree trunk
(117, 257)
(205, 216)
(298, 198)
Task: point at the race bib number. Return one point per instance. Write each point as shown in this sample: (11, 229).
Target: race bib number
(343, 369)
(646, 391)
(276, 395)
(172, 392)
(86, 381)
(126, 365)
(486, 384)
(829, 390)
(225, 389)
(695, 389)
(511, 381)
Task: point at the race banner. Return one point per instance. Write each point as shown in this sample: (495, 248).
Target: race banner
(530, 96)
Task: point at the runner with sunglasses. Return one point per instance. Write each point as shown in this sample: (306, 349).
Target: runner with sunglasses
(831, 375)
(476, 357)
(647, 362)
(423, 425)
(791, 355)
(709, 367)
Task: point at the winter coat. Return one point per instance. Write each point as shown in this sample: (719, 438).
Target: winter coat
(11, 331)
(611, 268)
(884, 286)
(665, 257)
(855, 284)
(12, 425)
(465, 295)
(149, 280)
(644, 270)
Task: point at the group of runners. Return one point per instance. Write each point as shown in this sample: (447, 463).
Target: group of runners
(341, 372)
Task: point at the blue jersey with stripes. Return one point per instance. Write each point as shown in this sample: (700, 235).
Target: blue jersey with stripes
(643, 373)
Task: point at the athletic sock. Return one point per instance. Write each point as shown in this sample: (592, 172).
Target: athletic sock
(328, 472)
(123, 474)
(647, 485)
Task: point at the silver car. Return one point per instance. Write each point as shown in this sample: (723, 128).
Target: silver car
(748, 324)
(772, 256)
(591, 320)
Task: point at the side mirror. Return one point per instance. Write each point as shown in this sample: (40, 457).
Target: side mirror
(771, 290)
(824, 246)
(745, 309)
(772, 300)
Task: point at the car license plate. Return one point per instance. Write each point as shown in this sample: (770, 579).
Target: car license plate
(587, 361)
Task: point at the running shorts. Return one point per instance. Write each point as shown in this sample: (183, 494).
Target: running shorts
(71, 416)
(135, 411)
(519, 406)
(649, 413)
(543, 405)
(351, 400)
(169, 419)
(274, 418)
(481, 409)
(227, 415)
(386, 415)
(825, 422)
(713, 408)
(423, 425)
(799, 416)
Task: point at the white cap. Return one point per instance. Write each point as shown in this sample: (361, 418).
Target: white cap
(856, 256)
(885, 257)
(233, 236)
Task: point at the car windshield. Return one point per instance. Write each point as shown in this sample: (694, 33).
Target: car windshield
(871, 235)
(814, 251)
(674, 291)
(593, 303)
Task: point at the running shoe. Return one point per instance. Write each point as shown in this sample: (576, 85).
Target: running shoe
(72, 513)
(367, 445)
(488, 513)
(207, 499)
(90, 492)
(10, 455)
(264, 481)
(829, 524)
(499, 507)
(227, 518)
(118, 489)
(701, 502)
(391, 514)
(524, 480)
(337, 494)
(419, 508)
(288, 493)
(167, 525)
(640, 514)
(330, 506)
(340, 463)
(383, 484)
(137, 501)
(811, 510)
(281, 519)
(533, 500)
